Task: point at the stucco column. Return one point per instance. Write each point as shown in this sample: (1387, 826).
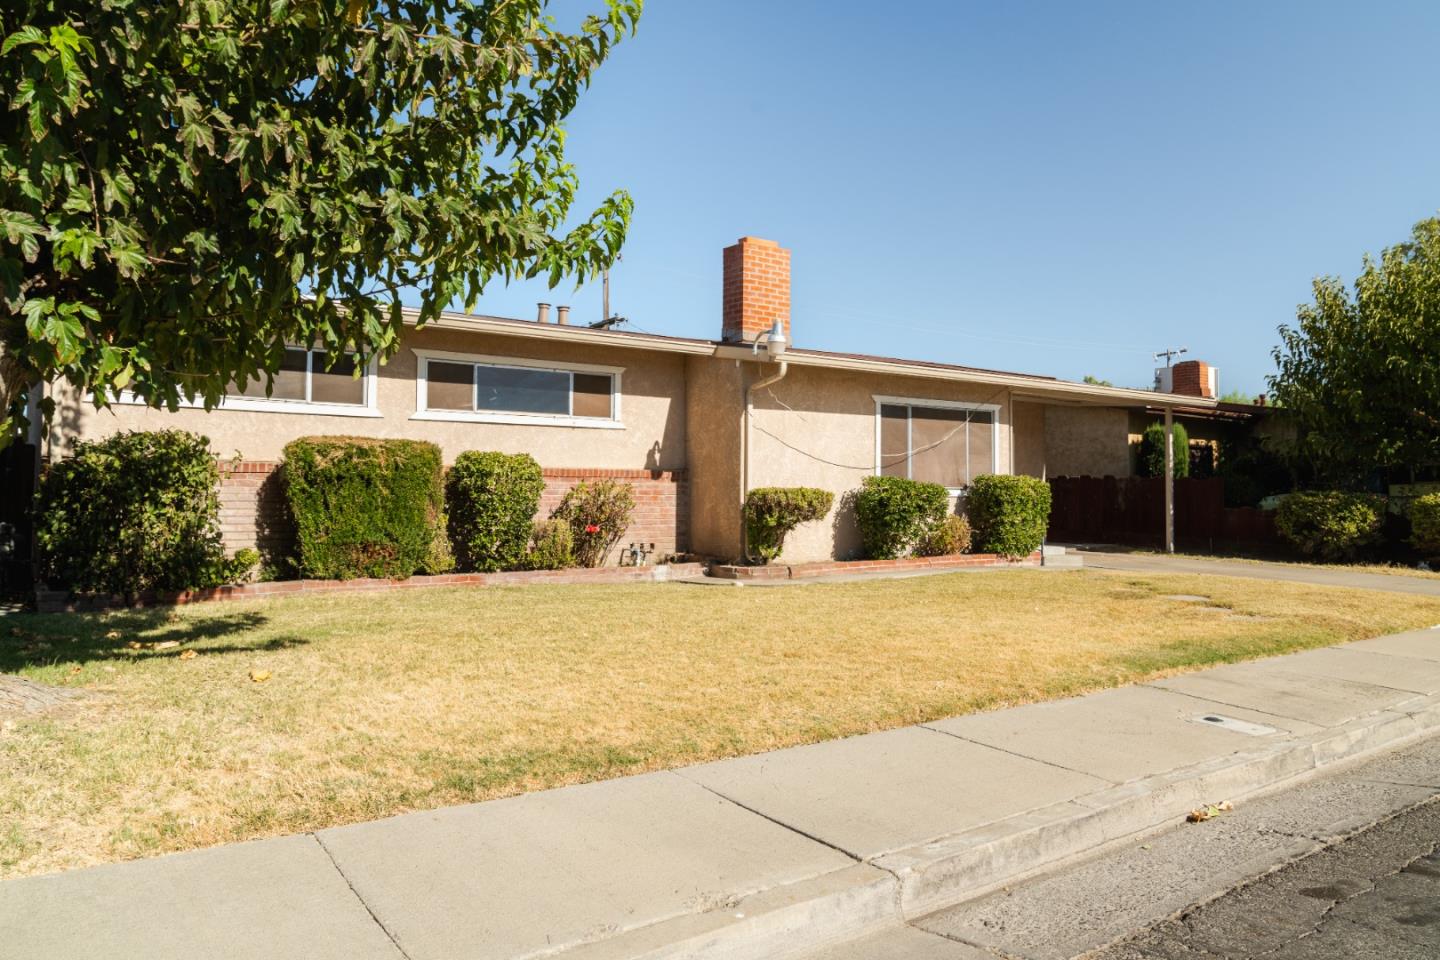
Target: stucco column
(1169, 480)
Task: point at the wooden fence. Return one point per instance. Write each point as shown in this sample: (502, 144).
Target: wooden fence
(1131, 510)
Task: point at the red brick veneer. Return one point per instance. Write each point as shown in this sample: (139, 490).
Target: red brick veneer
(253, 511)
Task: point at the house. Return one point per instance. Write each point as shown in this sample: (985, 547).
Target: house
(692, 423)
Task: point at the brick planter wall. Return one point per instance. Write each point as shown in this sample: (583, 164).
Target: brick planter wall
(797, 571)
(253, 511)
(59, 601)
(662, 508)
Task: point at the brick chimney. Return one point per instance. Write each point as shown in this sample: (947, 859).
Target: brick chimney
(757, 289)
(1193, 378)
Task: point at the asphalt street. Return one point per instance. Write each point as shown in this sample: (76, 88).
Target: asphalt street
(1374, 896)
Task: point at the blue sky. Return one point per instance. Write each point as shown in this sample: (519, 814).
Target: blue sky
(1056, 188)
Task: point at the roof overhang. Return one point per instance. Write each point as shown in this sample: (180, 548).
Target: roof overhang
(1038, 389)
(561, 333)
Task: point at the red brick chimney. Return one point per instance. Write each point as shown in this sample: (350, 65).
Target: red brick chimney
(757, 289)
(1193, 378)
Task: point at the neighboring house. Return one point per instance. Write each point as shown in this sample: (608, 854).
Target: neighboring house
(668, 414)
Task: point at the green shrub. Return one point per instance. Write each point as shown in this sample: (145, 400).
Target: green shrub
(772, 512)
(552, 546)
(132, 513)
(363, 507)
(1152, 451)
(1330, 524)
(239, 568)
(492, 499)
(1009, 514)
(894, 514)
(949, 537)
(1425, 523)
(598, 514)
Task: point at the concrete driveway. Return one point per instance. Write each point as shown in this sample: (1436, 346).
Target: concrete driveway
(1261, 570)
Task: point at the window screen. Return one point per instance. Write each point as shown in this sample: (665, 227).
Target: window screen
(289, 383)
(521, 390)
(338, 384)
(449, 386)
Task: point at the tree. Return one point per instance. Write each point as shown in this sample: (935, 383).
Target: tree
(1236, 396)
(187, 187)
(1095, 381)
(1361, 374)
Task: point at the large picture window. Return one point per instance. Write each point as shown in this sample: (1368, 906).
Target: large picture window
(935, 441)
(504, 390)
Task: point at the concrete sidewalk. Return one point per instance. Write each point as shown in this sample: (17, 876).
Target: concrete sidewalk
(1258, 569)
(764, 856)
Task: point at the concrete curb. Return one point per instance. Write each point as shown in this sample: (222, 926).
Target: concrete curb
(895, 888)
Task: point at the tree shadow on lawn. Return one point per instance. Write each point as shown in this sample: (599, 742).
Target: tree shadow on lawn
(45, 639)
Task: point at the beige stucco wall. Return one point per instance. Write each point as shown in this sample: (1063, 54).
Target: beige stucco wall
(652, 409)
(713, 387)
(827, 439)
(1087, 441)
(1028, 431)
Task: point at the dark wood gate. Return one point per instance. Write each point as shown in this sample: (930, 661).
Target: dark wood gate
(17, 492)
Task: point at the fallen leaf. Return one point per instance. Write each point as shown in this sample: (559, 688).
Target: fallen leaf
(259, 676)
(165, 644)
(134, 645)
(187, 655)
(112, 635)
(76, 669)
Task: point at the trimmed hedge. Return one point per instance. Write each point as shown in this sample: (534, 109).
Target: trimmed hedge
(1331, 524)
(1425, 524)
(946, 539)
(132, 513)
(1152, 451)
(894, 514)
(1009, 514)
(772, 512)
(365, 507)
(492, 499)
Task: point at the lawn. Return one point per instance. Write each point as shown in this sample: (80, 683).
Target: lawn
(374, 704)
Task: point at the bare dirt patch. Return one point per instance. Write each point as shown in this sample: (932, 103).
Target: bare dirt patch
(18, 695)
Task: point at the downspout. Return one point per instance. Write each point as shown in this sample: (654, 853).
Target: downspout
(1170, 480)
(775, 346)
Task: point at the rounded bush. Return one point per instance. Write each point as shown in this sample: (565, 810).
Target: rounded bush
(364, 507)
(1425, 524)
(772, 512)
(1331, 524)
(132, 513)
(491, 499)
(1009, 514)
(599, 515)
(949, 537)
(894, 514)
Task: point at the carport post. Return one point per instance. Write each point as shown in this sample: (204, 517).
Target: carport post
(1169, 480)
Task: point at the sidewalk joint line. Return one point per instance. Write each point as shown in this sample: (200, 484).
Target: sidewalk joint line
(778, 823)
(1022, 756)
(383, 929)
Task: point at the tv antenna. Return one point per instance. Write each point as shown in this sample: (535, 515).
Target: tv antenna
(1171, 353)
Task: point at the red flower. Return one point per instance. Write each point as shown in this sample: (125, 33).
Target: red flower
(591, 528)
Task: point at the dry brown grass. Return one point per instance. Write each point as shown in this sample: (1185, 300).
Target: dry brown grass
(382, 703)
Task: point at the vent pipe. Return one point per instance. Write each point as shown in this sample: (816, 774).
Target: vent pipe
(542, 313)
(562, 314)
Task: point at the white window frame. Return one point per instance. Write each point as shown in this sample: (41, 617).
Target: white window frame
(991, 408)
(422, 362)
(368, 408)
